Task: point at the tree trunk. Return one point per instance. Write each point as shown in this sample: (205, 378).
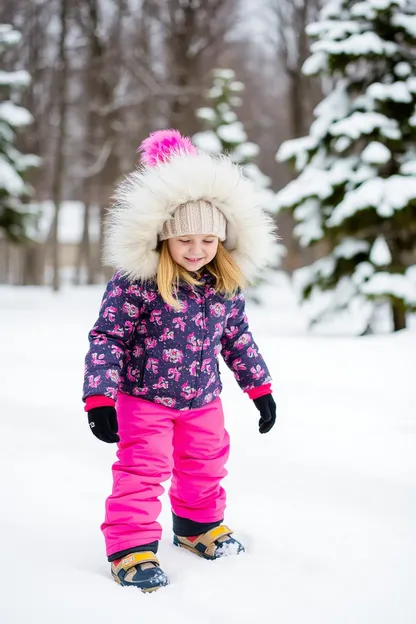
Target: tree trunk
(33, 269)
(399, 316)
(84, 250)
(62, 76)
(91, 147)
(398, 264)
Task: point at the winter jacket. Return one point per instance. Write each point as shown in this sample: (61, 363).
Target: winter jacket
(141, 346)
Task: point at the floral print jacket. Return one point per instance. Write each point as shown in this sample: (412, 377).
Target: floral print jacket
(141, 346)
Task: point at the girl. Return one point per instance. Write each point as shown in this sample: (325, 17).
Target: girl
(186, 234)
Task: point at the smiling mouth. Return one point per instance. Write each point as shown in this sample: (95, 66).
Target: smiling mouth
(193, 259)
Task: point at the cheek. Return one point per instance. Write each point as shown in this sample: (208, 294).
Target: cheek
(212, 251)
(174, 251)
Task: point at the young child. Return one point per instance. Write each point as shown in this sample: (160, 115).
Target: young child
(186, 234)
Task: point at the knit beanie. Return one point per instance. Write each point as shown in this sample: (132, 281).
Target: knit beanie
(195, 217)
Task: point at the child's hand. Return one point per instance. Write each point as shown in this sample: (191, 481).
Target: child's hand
(103, 423)
(267, 408)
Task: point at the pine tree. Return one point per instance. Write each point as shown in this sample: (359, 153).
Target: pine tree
(13, 164)
(356, 189)
(226, 134)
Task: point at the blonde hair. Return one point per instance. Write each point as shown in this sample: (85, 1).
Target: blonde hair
(228, 276)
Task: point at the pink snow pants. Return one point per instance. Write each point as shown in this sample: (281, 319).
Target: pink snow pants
(155, 443)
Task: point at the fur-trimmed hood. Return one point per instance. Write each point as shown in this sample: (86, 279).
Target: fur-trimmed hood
(149, 196)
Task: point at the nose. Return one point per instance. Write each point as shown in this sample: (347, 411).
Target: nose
(196, 249)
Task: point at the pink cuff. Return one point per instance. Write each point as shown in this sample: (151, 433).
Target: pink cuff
(98, 400)
(255, 393)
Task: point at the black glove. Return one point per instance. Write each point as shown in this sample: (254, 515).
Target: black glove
(103, 423)
(267, 408)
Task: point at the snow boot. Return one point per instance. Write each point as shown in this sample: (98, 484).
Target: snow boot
(211, 545)
(139, 569)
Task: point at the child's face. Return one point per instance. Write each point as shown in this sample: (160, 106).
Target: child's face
(192, 252)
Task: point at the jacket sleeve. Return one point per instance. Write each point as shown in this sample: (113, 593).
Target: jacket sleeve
(110, 337)
(240, 352)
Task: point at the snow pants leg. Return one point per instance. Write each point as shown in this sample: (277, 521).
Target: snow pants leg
(153, 440)
(200, 451)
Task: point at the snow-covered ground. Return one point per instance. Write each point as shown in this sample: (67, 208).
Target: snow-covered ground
(325, 503)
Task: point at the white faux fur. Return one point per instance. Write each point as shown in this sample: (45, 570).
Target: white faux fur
(149, 196)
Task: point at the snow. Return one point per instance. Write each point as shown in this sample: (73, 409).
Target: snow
(207, 141)
(407, 22)
(320, 269)
(380, 254)
(411, 83)
(317, 182)
(333, 29)
(224, 74)
(246, 151)
(8, 36)
(314, 64)
(312, 182)
(223, 107)
(383, 5)
(232, 133)
(206, 113)
(20, 78)
(409, 167)
(385, 195)
(363, 10)
(350, 247)
(237, 86)
(376, 153)
(393, 284)
(344, 309)
(325, 503)
(403, 69)
(309, 227)
(215, 92)
(235, 101)
(6, 132)
(229, 116)
(334, 107)
(362, 272)
(296, 148)
(360, 123)
(397, 91)
(342, 144)
(10, 180)
(356, 45)
(14, 115)
(331, 9)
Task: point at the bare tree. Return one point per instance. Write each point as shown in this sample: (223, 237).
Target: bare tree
(126, 68)
(101, 79)
(88, 15)
(59, 170)
(194, 35)
(289, 19)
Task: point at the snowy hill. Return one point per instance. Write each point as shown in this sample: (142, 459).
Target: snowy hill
(325, 503)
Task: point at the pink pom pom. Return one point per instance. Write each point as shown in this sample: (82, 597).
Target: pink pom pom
(161, 145)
